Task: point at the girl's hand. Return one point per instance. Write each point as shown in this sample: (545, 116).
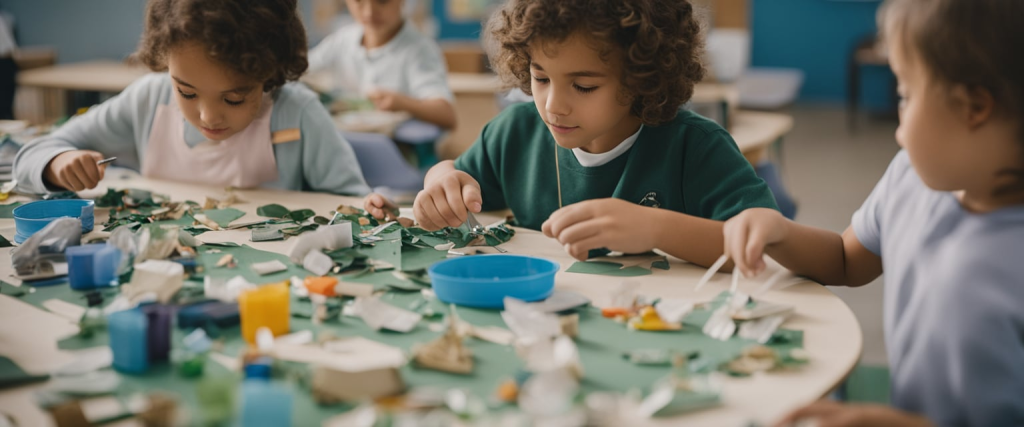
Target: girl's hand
(75, 170)
(380, 207)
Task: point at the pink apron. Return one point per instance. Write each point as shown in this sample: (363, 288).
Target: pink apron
(245, 160)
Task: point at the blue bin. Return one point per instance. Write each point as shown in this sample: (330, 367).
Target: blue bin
(485, 280)
(92, 266)
(32, 217)
(129, 340)
(265, 404)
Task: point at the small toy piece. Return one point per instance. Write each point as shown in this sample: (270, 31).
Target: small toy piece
(649, 320)
(445, 353)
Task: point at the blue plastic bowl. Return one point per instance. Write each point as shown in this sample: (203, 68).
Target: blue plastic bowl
(485, 280)
(32, 217)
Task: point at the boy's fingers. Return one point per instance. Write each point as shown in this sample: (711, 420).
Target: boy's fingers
(453, 195)
(471, 193)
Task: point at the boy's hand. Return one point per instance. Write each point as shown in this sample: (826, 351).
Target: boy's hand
(387, 100)
(380, 207)
(834, 414)
(747, 235)
(603, 223)
(446, 199)
(75, 170)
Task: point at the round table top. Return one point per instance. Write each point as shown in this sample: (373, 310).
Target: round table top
(832, 336)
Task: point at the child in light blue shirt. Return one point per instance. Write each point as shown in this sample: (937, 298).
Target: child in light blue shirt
(945, 223)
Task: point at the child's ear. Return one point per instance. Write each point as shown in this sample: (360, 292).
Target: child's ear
(978, 104)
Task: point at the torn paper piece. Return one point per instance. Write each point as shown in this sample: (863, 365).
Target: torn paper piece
(353, 354)
(380, 315)
(761, 330)
(673, 310)
(226, 290)
(527, 322)
(269, 267)
(317, 262)
(87, 360)
(561, 301)
(353, 289)
(64, 309)
(164, 278)
(330, 237)
(446, 353)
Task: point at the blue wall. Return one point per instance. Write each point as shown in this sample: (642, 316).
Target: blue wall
(453, 30)
(816, 36)
(81, 30)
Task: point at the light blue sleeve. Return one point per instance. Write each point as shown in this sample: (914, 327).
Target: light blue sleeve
(118, 127)
(987, 346)
(867, 221)
(328, 162)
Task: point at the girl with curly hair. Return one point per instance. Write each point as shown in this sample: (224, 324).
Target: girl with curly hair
(604, 158)
(219, 112)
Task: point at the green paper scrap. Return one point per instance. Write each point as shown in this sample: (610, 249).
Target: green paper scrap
(7, 211)
(300, 215)
(273, 210)
(223, 217)
(298, 229)
(138, 217)
(222, 244)
(4, 243)
(384, 280)
(216, 397)
(606, 269)
(12, 375)
(388, 250)
(684, 401)
(195, 231)
(245, 256)
(110, 200)
(416, 258)
(346, 258)
(621, 266)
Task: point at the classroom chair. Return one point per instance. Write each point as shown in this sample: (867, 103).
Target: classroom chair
(382, 163)
(422, 137)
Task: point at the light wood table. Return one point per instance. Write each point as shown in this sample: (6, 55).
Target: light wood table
(93, 76)
(57, 83)
(832, 335)
(755, 132)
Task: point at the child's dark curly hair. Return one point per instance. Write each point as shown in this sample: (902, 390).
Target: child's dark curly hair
(261, 39)
(659, 41)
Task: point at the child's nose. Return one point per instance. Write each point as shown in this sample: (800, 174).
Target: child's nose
(557, 104)
(210, 116)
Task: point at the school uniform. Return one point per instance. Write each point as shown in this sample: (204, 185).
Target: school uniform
(689, 165)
